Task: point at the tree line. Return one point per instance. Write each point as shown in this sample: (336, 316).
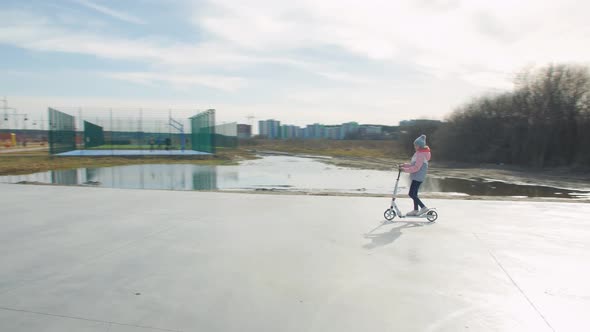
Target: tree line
(543, 122)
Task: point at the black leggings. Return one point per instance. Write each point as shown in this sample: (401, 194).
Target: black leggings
(414, 194)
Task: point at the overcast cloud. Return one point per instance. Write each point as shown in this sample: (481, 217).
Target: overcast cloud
(296, 61)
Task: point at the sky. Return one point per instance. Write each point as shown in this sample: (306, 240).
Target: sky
(300, 62)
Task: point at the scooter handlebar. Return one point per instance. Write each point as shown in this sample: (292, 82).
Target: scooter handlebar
(399, 171)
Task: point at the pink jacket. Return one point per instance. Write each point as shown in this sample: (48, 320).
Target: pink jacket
(419, 164)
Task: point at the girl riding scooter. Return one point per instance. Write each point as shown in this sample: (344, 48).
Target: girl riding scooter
(418, 168)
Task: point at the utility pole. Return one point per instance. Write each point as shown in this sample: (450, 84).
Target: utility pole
(6, 108)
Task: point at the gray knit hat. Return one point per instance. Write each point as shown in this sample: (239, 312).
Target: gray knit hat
(420, 141)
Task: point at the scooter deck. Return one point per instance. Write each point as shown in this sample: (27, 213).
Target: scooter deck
(409, 221)
(421, 215)
(431, 215)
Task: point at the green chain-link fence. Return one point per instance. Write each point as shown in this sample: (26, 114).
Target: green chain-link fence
(113, 130)
(226, 135)
(203, 131)
(62, 132)
(93, 135)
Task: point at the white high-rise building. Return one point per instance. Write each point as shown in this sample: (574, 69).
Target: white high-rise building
(270, 129)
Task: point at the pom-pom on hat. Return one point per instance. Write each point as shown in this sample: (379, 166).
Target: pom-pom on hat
(420, 141)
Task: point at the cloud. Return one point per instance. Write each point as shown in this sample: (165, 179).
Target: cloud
(180, 80)
(439, 5)
(110, 12)
(345, 54)
(495, 81)
(39, 33)
(440, 36)
(344, 77)
(443, 37)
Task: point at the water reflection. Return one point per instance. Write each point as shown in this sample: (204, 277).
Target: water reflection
(277, 173)
(173, 177)
(481, 187)
(205, 180)
(154, 176)
(65, 177)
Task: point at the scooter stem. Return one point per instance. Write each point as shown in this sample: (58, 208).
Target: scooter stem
(396, 184)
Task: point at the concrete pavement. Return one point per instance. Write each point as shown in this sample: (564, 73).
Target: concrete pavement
(95, 259)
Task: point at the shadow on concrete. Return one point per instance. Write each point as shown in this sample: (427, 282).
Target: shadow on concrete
(385, 238)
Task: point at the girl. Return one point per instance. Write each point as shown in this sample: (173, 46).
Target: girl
(418, 167)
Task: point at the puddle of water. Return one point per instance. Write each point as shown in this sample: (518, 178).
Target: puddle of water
(280, 173)
(482, 187)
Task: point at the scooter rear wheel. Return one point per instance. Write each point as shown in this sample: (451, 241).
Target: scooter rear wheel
(431, 215)
(389, 214)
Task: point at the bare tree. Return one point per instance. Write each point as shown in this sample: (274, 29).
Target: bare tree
(543, 122)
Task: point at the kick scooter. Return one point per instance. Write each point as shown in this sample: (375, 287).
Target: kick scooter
(393, 211)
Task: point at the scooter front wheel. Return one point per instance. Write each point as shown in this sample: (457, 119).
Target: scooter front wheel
(389, 214)
(431, 215)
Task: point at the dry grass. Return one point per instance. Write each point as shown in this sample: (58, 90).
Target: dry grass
(39, 161)
(333, 148)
